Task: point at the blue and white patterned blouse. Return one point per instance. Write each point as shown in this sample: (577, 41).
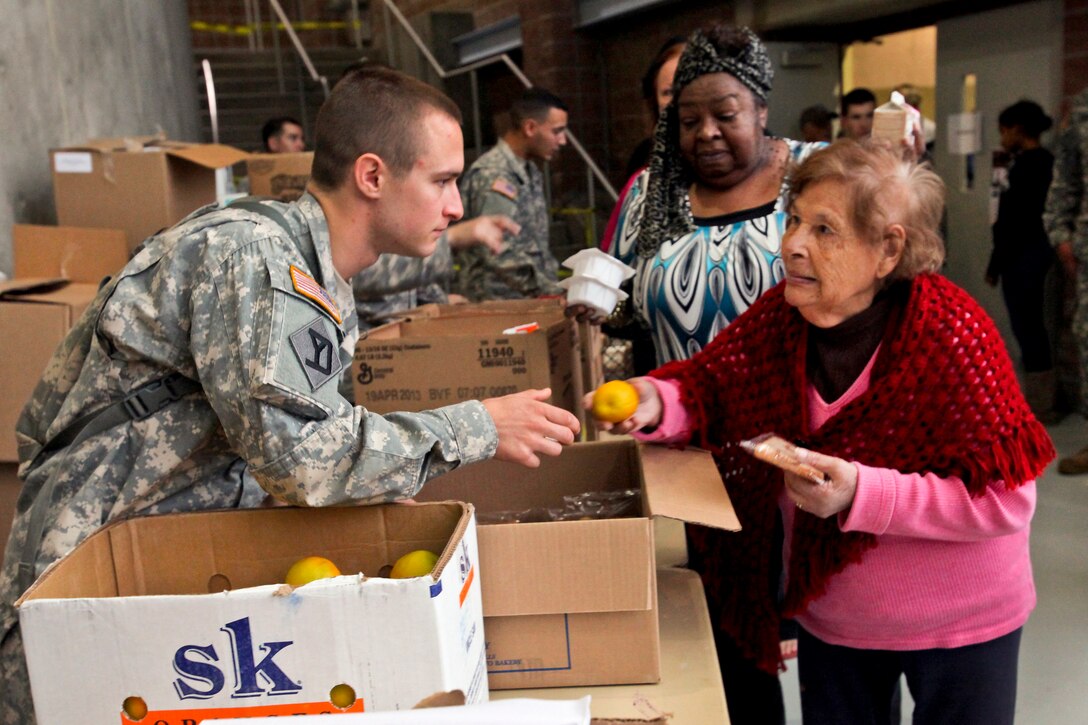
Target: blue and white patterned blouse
(695, 285)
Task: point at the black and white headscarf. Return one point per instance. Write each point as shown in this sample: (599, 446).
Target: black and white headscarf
(667, 210)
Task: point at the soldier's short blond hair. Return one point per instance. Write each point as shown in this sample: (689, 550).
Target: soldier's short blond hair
(373, 110)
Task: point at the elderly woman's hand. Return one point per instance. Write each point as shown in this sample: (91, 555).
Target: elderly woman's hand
(647, 414)
(830, 497)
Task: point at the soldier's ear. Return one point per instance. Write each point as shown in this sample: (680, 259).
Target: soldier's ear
(529, 127)
(369, 173)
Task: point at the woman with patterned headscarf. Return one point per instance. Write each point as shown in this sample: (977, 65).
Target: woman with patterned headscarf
(703, 225)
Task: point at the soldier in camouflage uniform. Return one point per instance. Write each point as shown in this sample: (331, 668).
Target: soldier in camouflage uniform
(505, 180)
(1066, 222)
(398, 283)
(255, 322)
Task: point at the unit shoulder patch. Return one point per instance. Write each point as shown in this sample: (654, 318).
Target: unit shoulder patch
(317, 352)
(308, 287)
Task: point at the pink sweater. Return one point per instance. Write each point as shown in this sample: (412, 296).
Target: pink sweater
(949, 570)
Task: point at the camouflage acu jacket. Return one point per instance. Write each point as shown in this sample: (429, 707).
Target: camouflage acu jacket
(1066, 215)
(265, 325)
(502, 183)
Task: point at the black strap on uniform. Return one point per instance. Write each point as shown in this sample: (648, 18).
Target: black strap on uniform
(252, 205)
(141, 403)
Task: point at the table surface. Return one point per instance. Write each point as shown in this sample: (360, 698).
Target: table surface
(690, 690)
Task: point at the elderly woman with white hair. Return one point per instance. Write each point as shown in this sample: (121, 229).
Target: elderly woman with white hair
(908, 555)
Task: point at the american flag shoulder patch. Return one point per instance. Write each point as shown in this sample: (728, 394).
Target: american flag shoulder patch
(505, 188)
(308, 287)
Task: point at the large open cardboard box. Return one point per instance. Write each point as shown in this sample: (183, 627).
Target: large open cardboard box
(280, 176)
(57, 273)
(183, 611)
(574, 602)
(140, 184)
(427, 362)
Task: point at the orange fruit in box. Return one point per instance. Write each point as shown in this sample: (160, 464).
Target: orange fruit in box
(134, 708)
(342, 695)
(310, 568)
(615, 401)
(415, 563)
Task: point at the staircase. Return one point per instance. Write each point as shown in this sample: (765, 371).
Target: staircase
(248, 90)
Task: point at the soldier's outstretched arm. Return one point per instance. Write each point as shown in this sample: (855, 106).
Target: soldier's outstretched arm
(527, 426)
(267, 356)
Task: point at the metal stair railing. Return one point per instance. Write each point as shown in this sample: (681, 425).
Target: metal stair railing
(253, 31)
(593, 171)
(290, 29)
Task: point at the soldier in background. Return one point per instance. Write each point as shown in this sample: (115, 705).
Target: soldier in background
(505, 180)
(205, 374)
(1066, 221)
(283, 135)
(397, 283)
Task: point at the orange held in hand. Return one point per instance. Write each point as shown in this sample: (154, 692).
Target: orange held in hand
(615, 401)
(311, 569)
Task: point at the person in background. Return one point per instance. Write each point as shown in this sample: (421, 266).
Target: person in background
(656, 94)
(1066, 221)
(283, 135)
(913, 97)
(227, 335)
(1022, 255)
(702, 226)
(908, 509)
(816, 124)
(398, 283)
(506, 181)
(857, 114)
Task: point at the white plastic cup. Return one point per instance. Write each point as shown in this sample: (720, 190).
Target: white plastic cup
(598, 265)
(593, 293)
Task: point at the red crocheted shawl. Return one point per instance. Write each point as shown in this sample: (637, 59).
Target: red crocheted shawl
(943, 398)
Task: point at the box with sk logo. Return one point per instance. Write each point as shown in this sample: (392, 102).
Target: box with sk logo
(186, 613)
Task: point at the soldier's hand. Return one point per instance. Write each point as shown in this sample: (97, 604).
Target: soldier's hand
(527, 426)
(488, 231)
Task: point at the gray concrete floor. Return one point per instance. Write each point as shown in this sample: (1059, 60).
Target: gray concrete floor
(1053, 679)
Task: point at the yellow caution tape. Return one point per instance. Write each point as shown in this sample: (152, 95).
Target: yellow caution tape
(249, 29)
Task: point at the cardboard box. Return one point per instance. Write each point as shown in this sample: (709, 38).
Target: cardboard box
(184, 612)
(524, 307)
(574, 602)
(280, 176)
(427, 362)
(522, 711)
(57, 273)
(139, 184)
(589, 340)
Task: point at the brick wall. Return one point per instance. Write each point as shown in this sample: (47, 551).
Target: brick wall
(628, 47)
(1075, 50)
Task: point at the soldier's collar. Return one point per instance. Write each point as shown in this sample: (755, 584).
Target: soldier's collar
(518, 164)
